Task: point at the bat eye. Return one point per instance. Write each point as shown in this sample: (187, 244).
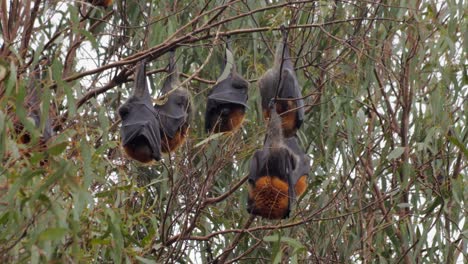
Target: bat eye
(123, 112)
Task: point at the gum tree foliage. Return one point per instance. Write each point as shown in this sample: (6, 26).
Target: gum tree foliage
(385, 126)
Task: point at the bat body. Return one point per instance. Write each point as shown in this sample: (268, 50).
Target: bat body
(174, 113)
(140, 127)
(281, 81)
(33, 107)
(227, 101)
(273, 175)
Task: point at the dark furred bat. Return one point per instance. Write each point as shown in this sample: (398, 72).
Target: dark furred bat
(33, 108)
(140, 127)
(281, 81)
(273, 175)
(227, 101)
(174, 112)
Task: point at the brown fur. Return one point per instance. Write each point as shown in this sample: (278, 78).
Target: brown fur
(301, 185)
(270, 196)
(171, 144)
(288, 120)
(142, 154)
(234, 122)
(236, 117)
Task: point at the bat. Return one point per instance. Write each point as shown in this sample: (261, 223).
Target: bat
(33, 108)
(281, 81)
(174, 112)
(227, 100)
(140, 126)
(273, 174)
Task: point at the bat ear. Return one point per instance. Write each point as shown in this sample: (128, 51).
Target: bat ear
(140, 87)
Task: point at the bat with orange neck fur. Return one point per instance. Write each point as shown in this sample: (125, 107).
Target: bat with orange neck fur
(140, 126)
(175, 110)
(227, 101)
(275, 176)
(281, 81)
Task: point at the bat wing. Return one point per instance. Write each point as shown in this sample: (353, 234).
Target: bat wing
(290, 89)
(142, 121)
(257, 160)
(211, 114)
(48, 132)
(174, 113)
(239, 82)
(253, 176)
(291, 161)
(303, 166)
(151, 132)
(267, 84)
(229, 91)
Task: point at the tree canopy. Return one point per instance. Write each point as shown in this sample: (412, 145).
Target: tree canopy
(385, 90)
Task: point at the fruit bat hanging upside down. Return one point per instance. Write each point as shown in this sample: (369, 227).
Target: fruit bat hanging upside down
(281, 81)
(33, 107)
(278, 173)
(227, 101)
(174, 111)
(140, 126)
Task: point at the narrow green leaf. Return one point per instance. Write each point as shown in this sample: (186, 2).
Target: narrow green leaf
(396, 153)
(57, 149)
(54, 234)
